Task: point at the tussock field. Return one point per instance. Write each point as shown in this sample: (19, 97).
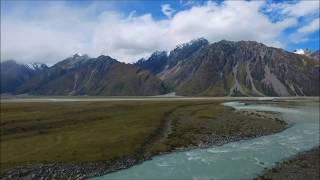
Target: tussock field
(87, 132)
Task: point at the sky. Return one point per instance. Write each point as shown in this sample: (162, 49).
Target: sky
(50, 31)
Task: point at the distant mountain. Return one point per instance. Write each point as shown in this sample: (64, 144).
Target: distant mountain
(81, 75)
(316, 55)
(160, 63)
(243, 68)
(155, 63)
(301, 51)
(196, 68)
(14, 75)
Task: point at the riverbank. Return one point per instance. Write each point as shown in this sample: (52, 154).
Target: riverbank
(303, 166)
(178, 126)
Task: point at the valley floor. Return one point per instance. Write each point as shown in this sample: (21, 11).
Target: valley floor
(91, 138)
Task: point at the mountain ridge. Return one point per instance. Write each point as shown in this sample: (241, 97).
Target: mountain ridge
(81, 75)
(196, 68)
(242, 68)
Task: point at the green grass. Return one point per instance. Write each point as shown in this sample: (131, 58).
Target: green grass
(101, 131)
(194, 124)
(82, 131)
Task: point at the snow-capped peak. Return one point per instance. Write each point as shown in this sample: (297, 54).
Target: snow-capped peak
(35, 66)
(197, 42)
(299, 51)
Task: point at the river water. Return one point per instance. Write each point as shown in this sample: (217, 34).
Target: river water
(244, 159)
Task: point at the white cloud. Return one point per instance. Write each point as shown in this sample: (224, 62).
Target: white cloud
(308, 10)
(311, 27)
(301, 8)
(61, 31)
(295, 9)
(167, 10)
(301, 35)
(51, 34)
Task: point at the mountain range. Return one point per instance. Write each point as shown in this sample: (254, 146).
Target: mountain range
(81, 75)
(307, 52)
(196, 68)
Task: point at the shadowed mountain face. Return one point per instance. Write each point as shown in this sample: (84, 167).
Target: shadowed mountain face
(81, 75)
(155, 63)
(14, 75)
(316, 55)
(241, 68)
(159, 61)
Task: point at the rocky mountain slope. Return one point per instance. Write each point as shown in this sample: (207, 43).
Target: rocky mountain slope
(14, 75)
(316, 55)
(306, 52)
(197, 68)
(243, 68)
(81, 75)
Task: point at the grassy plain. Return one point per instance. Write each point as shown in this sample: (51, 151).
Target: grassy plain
(78, 132)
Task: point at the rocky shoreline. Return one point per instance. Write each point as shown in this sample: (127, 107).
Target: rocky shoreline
(305, 165)
(93, 169)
